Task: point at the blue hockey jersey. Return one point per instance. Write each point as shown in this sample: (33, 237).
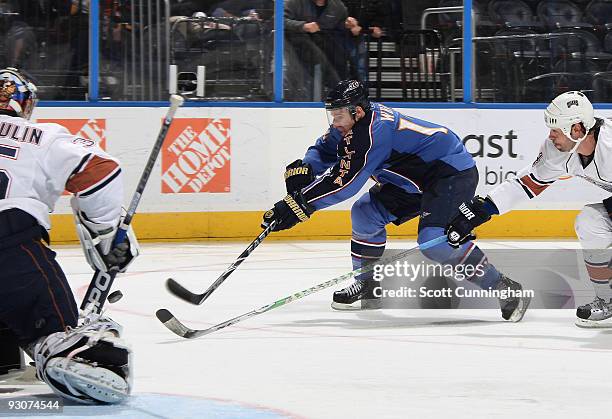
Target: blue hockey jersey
(389, 146)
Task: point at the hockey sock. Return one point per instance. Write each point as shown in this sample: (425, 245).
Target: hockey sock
(468, 254)
(366, 252)
(599, 274)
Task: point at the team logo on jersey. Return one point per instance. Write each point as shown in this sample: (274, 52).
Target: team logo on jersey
(196, 156)
(538, 159)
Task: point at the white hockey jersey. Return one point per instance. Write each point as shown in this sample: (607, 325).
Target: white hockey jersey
(553, 164)
(39, 161)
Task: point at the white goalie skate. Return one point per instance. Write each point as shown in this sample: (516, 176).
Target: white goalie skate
(88, 364)
(595, 315)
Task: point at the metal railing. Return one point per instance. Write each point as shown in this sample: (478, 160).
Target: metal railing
(536, 67)
(221, 58)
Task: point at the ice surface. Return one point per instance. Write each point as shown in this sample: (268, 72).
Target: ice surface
(305, 360)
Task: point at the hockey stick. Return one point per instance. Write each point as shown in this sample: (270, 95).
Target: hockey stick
(101, 283)
(178, 328)
(193, 298)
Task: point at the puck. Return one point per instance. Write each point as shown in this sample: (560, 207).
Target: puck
(115, 296)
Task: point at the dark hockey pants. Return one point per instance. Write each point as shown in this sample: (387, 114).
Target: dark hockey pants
(35, 298)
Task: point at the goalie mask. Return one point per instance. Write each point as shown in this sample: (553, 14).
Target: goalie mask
(567, 109)
(17, 93)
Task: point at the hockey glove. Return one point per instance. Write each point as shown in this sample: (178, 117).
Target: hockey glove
(287, 213)
(470, 215)
(97, 243)
(298, 175)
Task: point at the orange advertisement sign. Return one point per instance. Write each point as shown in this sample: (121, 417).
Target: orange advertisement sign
(87, 129)
(196, 156)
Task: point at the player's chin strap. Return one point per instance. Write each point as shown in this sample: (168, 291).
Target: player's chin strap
(577, 142)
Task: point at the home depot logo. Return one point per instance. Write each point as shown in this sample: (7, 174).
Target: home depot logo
(196, 156)
(89, 131)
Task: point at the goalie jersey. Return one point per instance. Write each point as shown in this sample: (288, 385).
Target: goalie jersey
(39, 161)
(387, 146)
(552, 164)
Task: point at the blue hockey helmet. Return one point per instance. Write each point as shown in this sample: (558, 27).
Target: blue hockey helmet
(17, 93)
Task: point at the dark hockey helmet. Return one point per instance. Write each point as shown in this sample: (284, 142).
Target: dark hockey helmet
(17, 93)
(348, 94)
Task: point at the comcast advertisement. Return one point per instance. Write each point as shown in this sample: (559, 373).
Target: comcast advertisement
(495, 150)
(504, 142)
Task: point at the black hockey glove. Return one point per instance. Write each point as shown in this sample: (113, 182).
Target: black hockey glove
(298, 175)
(470, 215)
(118, 257)
(288, 212)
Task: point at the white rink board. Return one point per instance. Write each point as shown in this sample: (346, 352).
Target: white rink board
(264, 140)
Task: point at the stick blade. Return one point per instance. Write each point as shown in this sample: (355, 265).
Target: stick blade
(183, 293)
(173, 324)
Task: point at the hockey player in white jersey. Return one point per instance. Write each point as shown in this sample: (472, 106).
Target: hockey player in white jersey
(580, 145)
(79, 355)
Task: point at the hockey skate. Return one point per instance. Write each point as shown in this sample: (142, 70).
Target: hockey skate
(597, 314)
(358, 296)
(88, 364)
(512, 308)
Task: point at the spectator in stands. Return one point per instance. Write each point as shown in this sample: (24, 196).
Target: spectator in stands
(365, 17)
(79, 42)
(18, 37)
(315, 33)
(189, 7)
(256, 10)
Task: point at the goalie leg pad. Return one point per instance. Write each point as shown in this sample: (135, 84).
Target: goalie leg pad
(89, 364)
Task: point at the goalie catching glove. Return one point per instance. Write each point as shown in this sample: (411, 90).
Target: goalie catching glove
(97, 243)
(298, 175)
(470, 215)
(288, 212)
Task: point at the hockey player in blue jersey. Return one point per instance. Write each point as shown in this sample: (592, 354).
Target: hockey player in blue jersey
(422, 170)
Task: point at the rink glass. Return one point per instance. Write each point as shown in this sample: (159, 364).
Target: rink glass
(141, 46)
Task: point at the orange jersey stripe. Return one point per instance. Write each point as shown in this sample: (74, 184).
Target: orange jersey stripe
(94, 171)
(599, 272)
(533, 187)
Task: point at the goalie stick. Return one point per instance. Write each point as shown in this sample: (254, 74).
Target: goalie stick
(178, 328)
(193, 298)
(101, 283)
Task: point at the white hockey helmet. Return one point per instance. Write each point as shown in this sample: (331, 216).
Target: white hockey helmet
(567, 109)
